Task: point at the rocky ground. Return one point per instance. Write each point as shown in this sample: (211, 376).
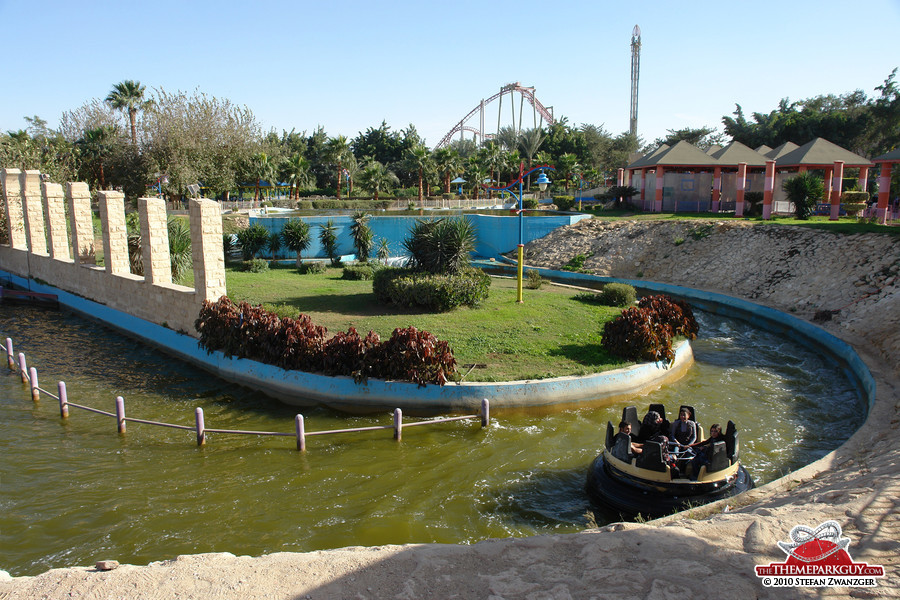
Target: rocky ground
(704, 553)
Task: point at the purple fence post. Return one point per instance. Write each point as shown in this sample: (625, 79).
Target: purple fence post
(120, 413)
(301, 433)
(398, 424)
(201, 427)
(35, 392)
(485, 412)
(10, 357)
(63, 401)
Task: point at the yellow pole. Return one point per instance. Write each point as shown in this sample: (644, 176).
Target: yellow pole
(519, 274)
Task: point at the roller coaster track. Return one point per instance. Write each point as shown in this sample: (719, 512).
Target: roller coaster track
(525, 93)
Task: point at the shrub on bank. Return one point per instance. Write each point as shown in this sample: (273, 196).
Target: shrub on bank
(617, 294)
(440, 293)
(254, 333)
(645, 332)
(358, 272)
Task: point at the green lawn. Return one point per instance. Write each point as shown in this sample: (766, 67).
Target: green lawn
(550, 335)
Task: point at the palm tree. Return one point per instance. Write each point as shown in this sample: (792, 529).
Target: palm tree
(94, 148)
(180, 248)
(492, 157)
(262, 169)
(338, 150)
(448, 165)
(529, 143)
(376, 177)
(297, 167)
(273, 244)
(418, 158)
(128, 96)
(477, 172)
(567, 165)
(295, 235)
(328, 238)
(362, 236)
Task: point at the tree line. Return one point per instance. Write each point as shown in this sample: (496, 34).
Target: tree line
(160, 142)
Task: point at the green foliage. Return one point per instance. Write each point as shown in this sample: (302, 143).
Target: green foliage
(576, 263)
(182, 261)
(252, 240)
(296, 237)
(273, 244)
(564, 202)
(440, 245)
(533, 280)
(362, 236)
(384, 249)
(440, 293)
(529, 203)
(854, 197)
(755, 200)
(617, 294)
(804, 191)
(328, 239)
(358, 272)
(256, 265)
(312, 268)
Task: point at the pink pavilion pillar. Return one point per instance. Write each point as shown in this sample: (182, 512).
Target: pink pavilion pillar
(658, 195)
(717, 189)
(826, 184)
(864, 179)
(644, 190)
(836, 187)
(739, 185)
(620, 180)
(768, 190)
(884, 193)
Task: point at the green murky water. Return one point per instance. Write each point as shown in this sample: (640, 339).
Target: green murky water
(73, 492)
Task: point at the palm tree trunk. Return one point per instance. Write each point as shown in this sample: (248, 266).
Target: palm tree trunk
(132, 116)
(420, 186)
(340, 172)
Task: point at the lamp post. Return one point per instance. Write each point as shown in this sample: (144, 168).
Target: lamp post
(542, 182)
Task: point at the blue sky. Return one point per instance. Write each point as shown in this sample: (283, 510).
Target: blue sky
(348, 65)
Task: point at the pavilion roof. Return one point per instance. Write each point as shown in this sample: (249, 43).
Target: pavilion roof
(644, 160)
(736, 153)
(779, 151)
(890, 157)
(821, 153)
(763, 149)
(681, 154)
(713, 149)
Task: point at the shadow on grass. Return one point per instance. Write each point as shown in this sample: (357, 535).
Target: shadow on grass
(589, 355)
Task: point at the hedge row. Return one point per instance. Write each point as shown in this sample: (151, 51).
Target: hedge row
(251, 332)
(414, 289)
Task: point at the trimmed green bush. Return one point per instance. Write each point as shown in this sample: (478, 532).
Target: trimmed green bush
(312, 268)
(617, 294)
(257, 265)
(439, 293)
(564, 202)
(358, 272)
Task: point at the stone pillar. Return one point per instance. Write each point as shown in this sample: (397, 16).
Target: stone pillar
(206, 249)
(864, 179)
(155, 240)
(55, 215)
(836, 188)
(884, 193)
(115, 234)
(34, 211)
(658, 195)
(768, 189)
(15, 214)
(739, 184)
(717, 189)
(78, 197)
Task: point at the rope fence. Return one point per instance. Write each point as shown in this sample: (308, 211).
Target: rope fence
(30, 377)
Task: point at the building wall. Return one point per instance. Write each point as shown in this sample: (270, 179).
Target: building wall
(152, 296)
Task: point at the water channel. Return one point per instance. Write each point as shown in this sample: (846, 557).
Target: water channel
(74, 492)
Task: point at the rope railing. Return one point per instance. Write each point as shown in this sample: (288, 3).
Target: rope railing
(30, 377)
